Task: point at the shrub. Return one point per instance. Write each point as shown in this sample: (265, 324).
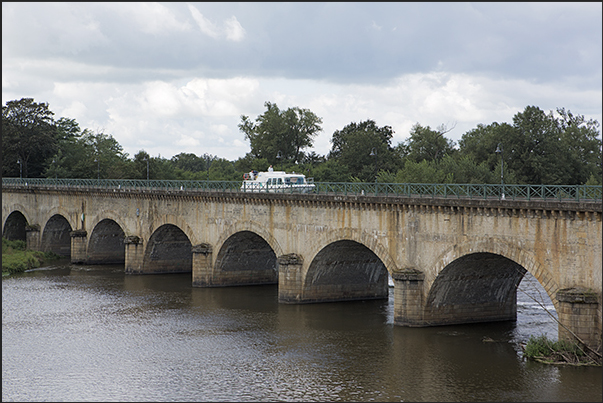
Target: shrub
(558, 352)
(16, 258)
(14, 245)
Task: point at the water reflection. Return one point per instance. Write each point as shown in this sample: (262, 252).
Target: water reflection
(94, 333)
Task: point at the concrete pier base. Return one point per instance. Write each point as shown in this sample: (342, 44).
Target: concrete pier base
(202, 265)
(79, 241)
(134, 254)
(408, 298)
(290, 278)
(580, 312)
(32, 237)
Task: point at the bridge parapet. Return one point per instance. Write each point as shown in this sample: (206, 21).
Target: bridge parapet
(446, 190)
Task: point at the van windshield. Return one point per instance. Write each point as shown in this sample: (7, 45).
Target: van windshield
(294, 180)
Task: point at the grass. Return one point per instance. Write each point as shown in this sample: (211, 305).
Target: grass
(542, 349)
(16, 258)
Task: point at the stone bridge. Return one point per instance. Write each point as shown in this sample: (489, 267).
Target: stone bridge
(452, 260)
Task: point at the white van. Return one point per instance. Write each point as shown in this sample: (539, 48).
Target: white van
(277, 182)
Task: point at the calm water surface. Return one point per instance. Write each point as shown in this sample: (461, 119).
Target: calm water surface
(92, 333)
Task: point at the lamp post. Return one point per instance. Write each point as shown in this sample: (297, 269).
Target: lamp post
(20, 168)
(98, 168)
(374, 153)
(147, 160)
(54, 164)
(279, 156)
(499, 149)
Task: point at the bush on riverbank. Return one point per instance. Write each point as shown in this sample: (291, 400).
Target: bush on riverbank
(16, 258)
(559, 352)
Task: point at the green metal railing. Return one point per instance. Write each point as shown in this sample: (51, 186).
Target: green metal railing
(429, 190)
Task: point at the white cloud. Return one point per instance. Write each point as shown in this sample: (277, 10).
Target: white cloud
(231, 28)
(206, 26)
(234, 31)
(175, 77)
(151, 18)
(57, 28)
(161, 99)
(186, 142)
(76, 108)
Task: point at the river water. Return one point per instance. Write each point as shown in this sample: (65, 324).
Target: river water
(92, 333)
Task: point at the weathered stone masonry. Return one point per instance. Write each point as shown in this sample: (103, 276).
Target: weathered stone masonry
(452, 260)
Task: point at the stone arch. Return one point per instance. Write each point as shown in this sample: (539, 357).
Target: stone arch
(371, 241)
(349, 264)
(244, 254)
(177, 221)
(67, 215)
(500, 247)
(251, 226)
(106, 243)
(56, 235)
(113, 216)
(168, 250)
(14, 226)
(21, 209)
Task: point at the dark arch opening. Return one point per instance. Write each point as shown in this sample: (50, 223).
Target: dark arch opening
(169, 251)
(346, 270)
(245, 259)
(479, 287)
(57, 236)
(106, 245)
(14, 227)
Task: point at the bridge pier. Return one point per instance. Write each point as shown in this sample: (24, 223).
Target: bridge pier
(408, 298)
(580, 312)
(79, 240)
(246, 266)
(358, 276)
(202, 265)
(134, 254)
(32, 237)
(491, 297)
(289, 278)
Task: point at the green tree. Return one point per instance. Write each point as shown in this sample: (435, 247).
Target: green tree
(162, 168)
(68, 134)
(28, 136)
(421, 172)
(364, 149)
(427, 144)
(464, 169)
(103, 156)
(535, 153)
(480, 144)
(331, 171)
(222, 169)
(538, 148)
(158, 168)
(280, 134)
(313, 159)
(581, 146)
(190, 162)
(249, 163)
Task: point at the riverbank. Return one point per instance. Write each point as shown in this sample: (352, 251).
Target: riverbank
(16, 258)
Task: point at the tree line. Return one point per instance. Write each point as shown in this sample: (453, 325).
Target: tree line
(535, 148)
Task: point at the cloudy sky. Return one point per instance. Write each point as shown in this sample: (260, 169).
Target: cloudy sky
(168, 78)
